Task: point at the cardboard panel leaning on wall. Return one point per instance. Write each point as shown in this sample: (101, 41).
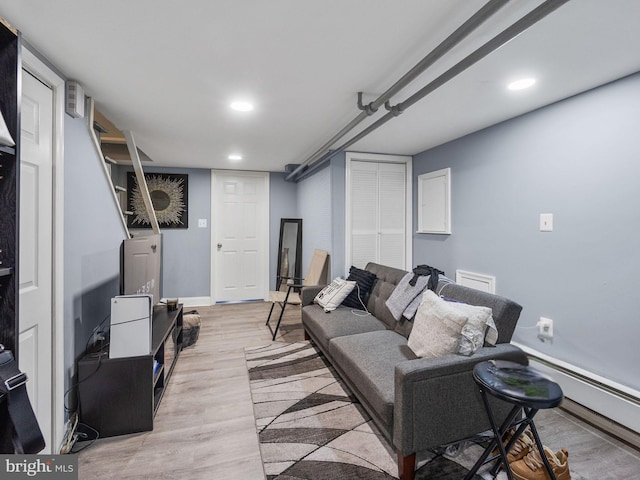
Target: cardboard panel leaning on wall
(576, 159)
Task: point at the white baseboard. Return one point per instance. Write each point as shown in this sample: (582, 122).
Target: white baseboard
(194, 301)
(605, 397)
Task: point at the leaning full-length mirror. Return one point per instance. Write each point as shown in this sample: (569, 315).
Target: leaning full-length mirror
(289, 251)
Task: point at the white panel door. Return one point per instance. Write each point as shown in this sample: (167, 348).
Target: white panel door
(35, 269)
(240, 212)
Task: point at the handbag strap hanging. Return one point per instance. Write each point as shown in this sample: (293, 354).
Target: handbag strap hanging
(27, 436)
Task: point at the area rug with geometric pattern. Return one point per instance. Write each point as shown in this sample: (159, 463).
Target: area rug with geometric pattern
(311, 427)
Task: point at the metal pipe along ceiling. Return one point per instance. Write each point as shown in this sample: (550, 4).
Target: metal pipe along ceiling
(446, 45)
(492, 45)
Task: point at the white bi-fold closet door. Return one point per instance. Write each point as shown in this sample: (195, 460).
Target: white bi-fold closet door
(378, 210)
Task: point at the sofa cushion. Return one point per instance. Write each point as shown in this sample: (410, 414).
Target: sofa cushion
(369, 361)
(359, 295)
(387, 280)
(342, 321)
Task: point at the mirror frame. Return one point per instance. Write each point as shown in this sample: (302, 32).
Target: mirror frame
(297, 262)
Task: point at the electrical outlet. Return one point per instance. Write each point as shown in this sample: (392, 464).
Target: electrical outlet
(545, 329)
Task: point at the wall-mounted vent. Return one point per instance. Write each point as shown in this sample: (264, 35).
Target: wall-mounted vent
(479, 281)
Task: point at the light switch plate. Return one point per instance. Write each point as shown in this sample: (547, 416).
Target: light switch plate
(546, 222)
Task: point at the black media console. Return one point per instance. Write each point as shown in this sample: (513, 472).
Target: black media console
(121, 395)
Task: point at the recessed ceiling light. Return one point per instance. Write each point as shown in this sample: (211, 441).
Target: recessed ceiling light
(235, 157)
(522, 84)
(242, 106)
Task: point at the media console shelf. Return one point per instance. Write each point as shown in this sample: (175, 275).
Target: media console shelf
(122, 395)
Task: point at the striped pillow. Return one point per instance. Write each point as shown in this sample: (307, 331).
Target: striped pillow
(359, 295)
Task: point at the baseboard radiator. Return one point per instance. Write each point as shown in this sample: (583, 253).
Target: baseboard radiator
(600, 402)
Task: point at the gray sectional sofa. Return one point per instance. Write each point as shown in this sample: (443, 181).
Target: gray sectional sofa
(418, 403)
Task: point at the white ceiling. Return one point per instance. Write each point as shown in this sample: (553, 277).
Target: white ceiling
(168, 70)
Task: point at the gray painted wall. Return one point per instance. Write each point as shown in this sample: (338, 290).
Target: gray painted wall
(93, 233)
(282, 204)
(186, 253)
(315, 208)
(577, 159)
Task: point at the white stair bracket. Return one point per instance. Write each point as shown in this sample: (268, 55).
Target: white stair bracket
(105, 165)
(142, 184)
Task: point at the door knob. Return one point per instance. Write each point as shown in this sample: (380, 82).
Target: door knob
(219, 245)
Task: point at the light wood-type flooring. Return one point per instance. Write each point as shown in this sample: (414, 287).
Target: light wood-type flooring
(205, 430)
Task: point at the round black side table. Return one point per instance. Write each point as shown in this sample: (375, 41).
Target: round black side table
(528, 391)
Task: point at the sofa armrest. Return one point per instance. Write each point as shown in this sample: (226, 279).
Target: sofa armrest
(438, 402)
(307, 294)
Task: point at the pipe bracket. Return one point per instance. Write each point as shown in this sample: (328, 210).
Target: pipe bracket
(368, 109)
(396, 110)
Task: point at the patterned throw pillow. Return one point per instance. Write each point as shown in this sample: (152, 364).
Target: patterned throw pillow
(436, 327)
(443, 326)
(473, 333)
(364, 282)
(331, 296)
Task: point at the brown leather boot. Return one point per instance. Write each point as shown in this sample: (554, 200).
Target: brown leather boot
(520, 447)
(531, 467)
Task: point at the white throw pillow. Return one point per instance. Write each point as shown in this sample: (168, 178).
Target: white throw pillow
(436, 327)
(331, 296)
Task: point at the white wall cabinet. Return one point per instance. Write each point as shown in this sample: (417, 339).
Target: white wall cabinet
(434, 202)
